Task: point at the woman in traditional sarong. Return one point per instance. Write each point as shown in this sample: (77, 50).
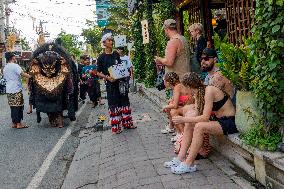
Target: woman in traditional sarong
(54, 83)
(117, 90)
(12, 75)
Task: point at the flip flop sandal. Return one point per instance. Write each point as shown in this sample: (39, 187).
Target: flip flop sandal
(183, 168)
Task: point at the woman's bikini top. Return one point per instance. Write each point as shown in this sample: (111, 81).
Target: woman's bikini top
(219, 104)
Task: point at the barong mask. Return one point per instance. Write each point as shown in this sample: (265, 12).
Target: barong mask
(49, 69)
(50, 63)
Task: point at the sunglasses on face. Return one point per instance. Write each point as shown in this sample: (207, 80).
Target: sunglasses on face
(206, 58)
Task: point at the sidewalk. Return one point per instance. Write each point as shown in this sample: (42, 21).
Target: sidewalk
(134, 158)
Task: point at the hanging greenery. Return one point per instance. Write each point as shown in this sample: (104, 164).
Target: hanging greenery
(268, 46)
(155, 14)
(150, 48)
(162, 11)
(139, 54)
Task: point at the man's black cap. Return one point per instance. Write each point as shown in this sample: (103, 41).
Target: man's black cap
(209, 52)
(120, 48)
(9, 55)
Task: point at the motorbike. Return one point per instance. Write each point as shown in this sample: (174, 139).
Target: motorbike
(2, 85)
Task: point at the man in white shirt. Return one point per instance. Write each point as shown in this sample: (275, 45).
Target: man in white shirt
(12, 74)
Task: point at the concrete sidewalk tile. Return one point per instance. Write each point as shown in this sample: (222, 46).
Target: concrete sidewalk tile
(212, 172)
(161, 170)
(89, 186)
(160, 161)
(149, 180)
(122, 168)
(208, 186)
(143, 163)
(146, 174)
(219, 179)
(124, 186)
(106, 165)
(194, 175)
(106, 173)
(205, 166)
(81, 173)
(227, 186)
(170, 177)
(198, 181)
(152, 186)
(175, 184)
(126, 174)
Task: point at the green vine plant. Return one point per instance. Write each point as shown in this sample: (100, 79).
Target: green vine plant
(260, 136)
(236, 62)
(150, 48)
(268, 46)
(139, 54)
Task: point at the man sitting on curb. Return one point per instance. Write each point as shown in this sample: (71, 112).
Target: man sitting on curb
(215, 77)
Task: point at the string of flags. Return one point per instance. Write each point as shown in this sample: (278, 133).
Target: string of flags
(73, 19)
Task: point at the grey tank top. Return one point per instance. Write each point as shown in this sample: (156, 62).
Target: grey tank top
(182, 61)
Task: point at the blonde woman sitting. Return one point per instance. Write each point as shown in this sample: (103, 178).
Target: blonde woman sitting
(207, 99)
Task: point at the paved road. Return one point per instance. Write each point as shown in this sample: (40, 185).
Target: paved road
(23, 151)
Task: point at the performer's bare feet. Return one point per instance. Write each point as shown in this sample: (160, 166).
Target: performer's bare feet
(21, 126)
(14, 125)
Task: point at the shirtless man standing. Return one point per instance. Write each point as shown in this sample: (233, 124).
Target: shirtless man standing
(176, 56)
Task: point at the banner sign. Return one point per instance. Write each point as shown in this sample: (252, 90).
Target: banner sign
(120, 41)
(145, 31)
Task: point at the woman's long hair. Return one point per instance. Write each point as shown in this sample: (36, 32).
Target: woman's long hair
(193, 81)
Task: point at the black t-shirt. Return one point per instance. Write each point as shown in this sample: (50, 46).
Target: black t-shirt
(105, 61)
(80, 68)
(200, 46)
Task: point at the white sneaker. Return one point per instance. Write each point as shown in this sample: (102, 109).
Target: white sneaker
(173, 163)
(167, 130)
(174, 139)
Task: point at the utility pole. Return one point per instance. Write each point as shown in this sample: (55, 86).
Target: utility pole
(2, 33)
(4, 16)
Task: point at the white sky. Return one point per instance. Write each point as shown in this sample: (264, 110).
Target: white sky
(67, 15)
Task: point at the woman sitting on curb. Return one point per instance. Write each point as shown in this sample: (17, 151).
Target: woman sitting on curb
(223, 123)
(181, 96)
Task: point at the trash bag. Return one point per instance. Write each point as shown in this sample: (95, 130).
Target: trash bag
(2, 85)
(160, 79)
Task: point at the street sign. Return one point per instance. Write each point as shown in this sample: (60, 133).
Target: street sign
(17, 50)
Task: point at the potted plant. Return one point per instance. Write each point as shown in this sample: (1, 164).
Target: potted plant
(237, 65)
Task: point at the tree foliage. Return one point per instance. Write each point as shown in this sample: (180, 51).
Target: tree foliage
(119, 20)
(93, 37)
(25, 45)
(70, 42)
